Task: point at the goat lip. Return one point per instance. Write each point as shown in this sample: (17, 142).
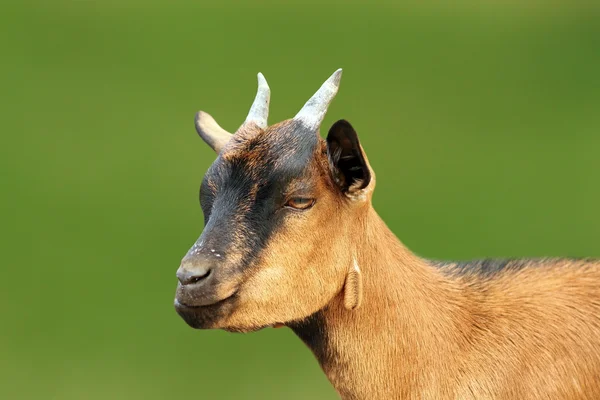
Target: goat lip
(179, 304)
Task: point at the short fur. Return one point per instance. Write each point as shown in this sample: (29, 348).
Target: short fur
(382, 322)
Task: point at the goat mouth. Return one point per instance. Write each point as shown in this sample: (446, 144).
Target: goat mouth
(179, 304)
(208, 316)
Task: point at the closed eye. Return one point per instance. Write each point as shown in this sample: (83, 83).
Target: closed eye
(300, 203)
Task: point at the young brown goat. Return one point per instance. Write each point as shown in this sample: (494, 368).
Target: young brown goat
(291, 238)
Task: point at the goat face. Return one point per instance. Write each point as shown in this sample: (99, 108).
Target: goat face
(280, 205)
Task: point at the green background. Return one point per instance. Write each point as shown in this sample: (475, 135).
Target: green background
(481, 122)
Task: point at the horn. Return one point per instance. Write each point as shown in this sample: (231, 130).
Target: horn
(314, 110)
(259, 112)
(208, 129)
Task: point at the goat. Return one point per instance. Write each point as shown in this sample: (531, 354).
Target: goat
(291, 239)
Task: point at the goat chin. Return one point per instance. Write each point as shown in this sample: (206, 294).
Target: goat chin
(248, 329)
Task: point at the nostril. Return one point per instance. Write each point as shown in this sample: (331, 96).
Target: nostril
(187, 277)
(198, 278)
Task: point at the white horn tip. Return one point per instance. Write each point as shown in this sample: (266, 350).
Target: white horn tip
(202, 118)
(336, 77)
(259, 111)
(210, 131)
(314, 110)
(262, 82)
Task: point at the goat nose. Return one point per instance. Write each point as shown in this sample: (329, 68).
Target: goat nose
(188, 275)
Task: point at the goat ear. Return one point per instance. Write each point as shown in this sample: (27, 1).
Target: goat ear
(347, 161)
(208, 129)
(353, 287)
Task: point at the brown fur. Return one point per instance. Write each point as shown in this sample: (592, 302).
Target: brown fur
(398, 327)
(421, 334)
(353, 288)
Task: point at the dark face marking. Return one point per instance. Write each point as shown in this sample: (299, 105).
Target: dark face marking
(489, 268)
(243, 192)
(242, 196)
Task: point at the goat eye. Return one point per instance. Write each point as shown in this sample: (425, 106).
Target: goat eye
(300, 203)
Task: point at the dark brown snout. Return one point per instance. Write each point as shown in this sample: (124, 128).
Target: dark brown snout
(203, 281)
(193, 273)
(206, 293)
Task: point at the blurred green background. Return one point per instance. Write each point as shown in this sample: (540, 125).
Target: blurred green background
(481, 121)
